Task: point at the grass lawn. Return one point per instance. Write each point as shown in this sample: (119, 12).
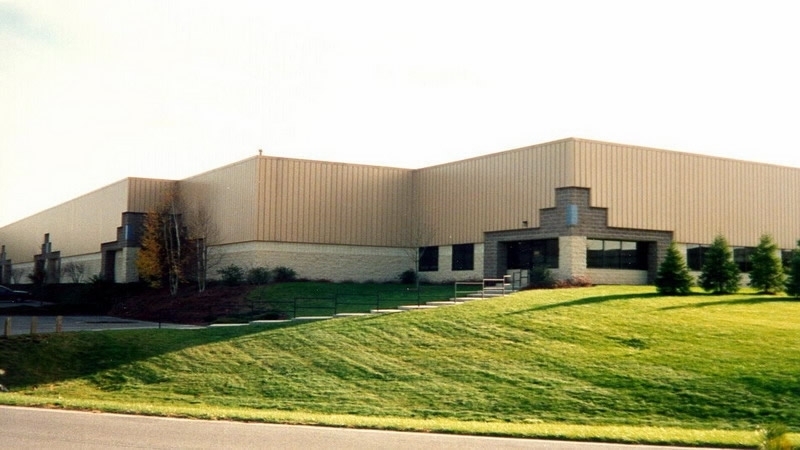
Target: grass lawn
(603, 363)
(327, 299)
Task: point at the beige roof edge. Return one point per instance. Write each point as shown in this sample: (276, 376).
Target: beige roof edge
(493, 154)
(574, 140)
(682, 152)
(126, 180)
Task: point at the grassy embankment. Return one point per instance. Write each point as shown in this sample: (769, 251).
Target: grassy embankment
(605, 363)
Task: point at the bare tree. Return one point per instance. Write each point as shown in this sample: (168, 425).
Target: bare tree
(16, 275)
(420, 237)
(165, 252)
(203, 233)
(75, 271)
(174, 235)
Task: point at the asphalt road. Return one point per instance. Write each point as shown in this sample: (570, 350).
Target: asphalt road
(32, 428)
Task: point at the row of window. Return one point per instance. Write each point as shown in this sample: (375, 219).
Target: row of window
(600, 254)
(615, 254)
(463, 258)
(695, 257)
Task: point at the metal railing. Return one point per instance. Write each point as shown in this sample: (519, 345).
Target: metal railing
(488, 286)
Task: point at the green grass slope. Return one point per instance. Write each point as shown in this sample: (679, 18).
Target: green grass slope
(593, 363)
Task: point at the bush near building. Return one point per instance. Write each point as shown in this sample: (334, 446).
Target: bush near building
(673, 276)
(767, 274)
(720, 273)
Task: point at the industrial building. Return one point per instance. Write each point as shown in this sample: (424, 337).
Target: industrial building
(586, 208)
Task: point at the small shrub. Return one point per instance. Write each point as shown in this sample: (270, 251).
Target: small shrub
(673, 276)
(767, 274)
(231, 275)
(258, 276)
(283, 274)
(720, 274)
(575, 281)
(793, 280)
(541, 277)
(408, 277)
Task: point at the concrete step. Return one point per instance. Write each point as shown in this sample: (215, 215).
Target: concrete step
(444, 303)
(415, 307)
(464, 299)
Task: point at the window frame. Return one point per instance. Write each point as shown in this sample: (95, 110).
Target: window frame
(428, 258)
(618, 254)
(463, 257)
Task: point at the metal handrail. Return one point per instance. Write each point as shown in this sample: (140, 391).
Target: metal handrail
(484, 284)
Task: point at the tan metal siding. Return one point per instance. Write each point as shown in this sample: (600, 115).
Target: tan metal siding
(147, 194)
(230, 194)
(695, 196)
(332, 203)
(76, 227)
(460, 201)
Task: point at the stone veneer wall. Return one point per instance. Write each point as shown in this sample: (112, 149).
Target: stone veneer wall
(316, 261)
(591, 223)
(445, 274)
(571, 257)
(617, 276)
(125, 265)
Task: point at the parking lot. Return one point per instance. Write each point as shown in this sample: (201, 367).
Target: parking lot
(31, 324)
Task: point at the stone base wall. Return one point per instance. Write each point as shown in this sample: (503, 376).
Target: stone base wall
(445, 274)
(571, 257)
(125, 265)
(26, 269)
(617, 276)
(315, 261)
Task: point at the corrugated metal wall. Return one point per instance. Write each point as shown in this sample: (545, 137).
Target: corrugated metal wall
(290, 200)
(459, 201)
(76, 227)
(79, 226)
(228, 194)
(146, 194)
(332, 203)
(695, 196)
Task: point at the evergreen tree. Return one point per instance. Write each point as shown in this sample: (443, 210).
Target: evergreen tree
(793, 281)
(720, 274)
(673, 276)
(767, 272)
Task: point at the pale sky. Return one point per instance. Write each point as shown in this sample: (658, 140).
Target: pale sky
(92, 92)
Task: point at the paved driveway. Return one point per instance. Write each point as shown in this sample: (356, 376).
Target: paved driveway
(47, 324)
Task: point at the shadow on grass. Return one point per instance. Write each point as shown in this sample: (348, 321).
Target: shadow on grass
(734, 301)
(588, 301)
(30, 361)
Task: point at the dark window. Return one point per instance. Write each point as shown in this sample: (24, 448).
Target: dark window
(613, 254)
(464, 257)
(695, 256)
(786, 257)
(428, 259)
(741, 256)
(526, 254)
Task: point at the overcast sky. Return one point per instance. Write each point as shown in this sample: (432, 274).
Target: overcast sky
(92, 92)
